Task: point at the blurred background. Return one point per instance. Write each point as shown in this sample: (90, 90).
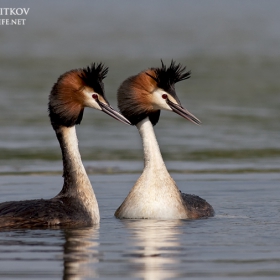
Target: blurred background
(231, 47)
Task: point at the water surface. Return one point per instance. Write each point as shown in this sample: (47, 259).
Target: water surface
(232, 159)
(241, 241)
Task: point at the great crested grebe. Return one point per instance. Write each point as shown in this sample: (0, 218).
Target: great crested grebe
(155, 194)
(76, 204)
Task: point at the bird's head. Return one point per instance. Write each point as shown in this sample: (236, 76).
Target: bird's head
(152, 90)
(77, 89)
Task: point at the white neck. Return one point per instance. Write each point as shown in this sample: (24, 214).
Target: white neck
(155, 194)
(76, 182)
(152, 155)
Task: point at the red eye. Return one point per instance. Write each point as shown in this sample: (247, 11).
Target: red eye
(164, 96)
(95, 96)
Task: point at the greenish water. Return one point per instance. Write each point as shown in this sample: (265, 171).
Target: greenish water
(239, 110)
(231, 48)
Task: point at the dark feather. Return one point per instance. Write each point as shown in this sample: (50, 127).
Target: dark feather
(198, 206)
(80, 117)
(93, 76)
(154, 117)
(167, 77)
(43, 213)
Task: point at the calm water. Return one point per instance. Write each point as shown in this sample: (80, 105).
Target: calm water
(241, 241)
(232, 159)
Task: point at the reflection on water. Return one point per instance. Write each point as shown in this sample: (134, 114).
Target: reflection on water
(80, 251)
(241, 241)
(155, 243)
(49, 253)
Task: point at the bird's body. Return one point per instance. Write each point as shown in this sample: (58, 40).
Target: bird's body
(155, 195)
(54, 212)
(76, 204)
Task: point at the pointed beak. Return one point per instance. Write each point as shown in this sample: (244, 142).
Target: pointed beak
(178, 109)
(113, 113)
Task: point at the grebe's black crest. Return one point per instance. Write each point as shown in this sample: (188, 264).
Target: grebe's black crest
(167, 77)
(93, 72)
(93, 76)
